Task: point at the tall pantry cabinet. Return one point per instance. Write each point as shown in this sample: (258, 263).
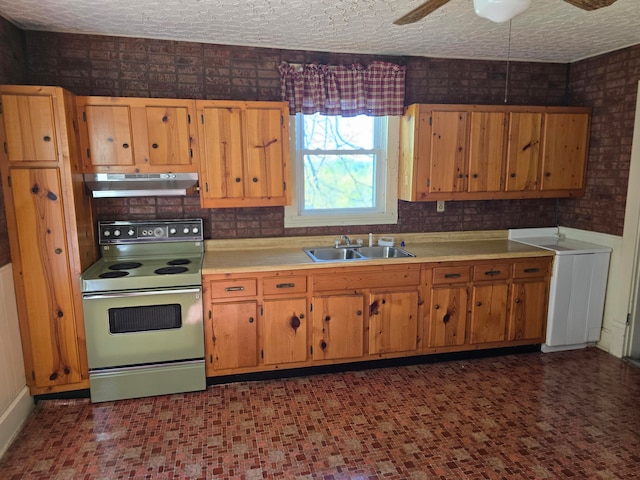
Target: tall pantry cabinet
(51, 232)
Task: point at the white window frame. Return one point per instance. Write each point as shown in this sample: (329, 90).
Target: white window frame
(387, 187)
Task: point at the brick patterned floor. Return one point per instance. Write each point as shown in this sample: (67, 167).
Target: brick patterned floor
(532, 416)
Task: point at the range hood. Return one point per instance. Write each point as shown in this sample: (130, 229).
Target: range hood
(110, 185)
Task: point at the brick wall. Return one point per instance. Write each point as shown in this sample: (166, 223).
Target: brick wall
(609, 84)
(100, 65)
(12, 71)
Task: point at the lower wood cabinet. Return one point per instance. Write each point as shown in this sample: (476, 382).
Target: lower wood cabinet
(272, 320)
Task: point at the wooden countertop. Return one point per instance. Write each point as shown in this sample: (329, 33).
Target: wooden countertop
(285, 253)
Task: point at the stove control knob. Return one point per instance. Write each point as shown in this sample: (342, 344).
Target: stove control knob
(131, 232)
(106, 233)
(195, 230)
(158, 232)
(185, 230)
(116, 233)
(172, 231)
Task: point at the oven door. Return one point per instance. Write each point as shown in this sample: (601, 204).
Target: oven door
(143, 327)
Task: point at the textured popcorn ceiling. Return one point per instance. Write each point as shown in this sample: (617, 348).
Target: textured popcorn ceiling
(550, 31)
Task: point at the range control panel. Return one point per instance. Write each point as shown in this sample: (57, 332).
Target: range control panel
(141, 231)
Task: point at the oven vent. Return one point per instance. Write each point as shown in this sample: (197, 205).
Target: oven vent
(145, 318)
(109, 185)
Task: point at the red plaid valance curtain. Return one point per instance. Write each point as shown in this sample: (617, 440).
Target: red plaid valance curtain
(347, 90)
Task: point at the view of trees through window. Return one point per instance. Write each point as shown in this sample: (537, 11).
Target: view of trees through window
(340, 158)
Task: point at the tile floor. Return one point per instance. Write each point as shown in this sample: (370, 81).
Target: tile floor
(564, 415)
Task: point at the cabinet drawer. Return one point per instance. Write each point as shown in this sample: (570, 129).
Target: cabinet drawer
(534, 268)
(244, 287)
(498, 271)
(275, 285)
(451, 274)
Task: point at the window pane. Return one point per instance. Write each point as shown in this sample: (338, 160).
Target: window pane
(339, 181)
(338, 133)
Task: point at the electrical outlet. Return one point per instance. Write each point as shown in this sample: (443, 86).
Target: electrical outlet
(440, 206)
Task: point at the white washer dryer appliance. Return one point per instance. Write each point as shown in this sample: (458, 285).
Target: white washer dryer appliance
(578, 287)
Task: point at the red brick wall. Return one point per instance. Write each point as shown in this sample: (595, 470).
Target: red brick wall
(609, 84)
(98, 65)
(12, 71)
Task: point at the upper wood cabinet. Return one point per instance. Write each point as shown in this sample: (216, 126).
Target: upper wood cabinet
(467, 152)
(31, 134)
(245, 153)
(138, 135)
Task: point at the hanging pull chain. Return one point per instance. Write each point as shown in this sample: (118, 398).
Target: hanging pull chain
(506, 81)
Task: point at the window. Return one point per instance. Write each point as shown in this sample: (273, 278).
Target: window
(344, 172)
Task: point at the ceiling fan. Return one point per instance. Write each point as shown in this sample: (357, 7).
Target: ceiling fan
(431, 5)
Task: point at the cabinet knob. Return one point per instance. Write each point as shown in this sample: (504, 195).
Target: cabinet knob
(460, 175)
(358, 312)
(475, 175)
(46, 138)
(154, 145)
(436, 307)
(301, 315)
(327, 318)
(547, 174)
(513, 175)
(478, 304)
(125, 145)
(237, 179)
(58, 251)
(250, 319)
(165, 118)
(517, 300)
(254, 179)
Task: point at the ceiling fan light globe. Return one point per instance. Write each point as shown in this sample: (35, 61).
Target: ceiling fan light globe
(500, 10)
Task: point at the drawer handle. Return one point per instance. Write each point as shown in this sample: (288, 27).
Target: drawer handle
(452, 275)
(531, 270)
(234, 289)
(492, 272)
(285, 285)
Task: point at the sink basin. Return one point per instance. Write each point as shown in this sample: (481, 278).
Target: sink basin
(384, 252)
(331, 254)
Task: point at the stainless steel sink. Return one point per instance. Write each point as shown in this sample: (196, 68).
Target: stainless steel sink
(332, 254)
(384, 252)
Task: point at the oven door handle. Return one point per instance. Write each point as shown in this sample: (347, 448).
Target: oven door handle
(139, 294)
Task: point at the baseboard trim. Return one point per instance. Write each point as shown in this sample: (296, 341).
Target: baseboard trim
(14, 418)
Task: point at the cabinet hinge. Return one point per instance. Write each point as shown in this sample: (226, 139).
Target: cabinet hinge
(311, 349)
(430, 120)
(189, 118)
(191, 152)
(33, 375)
(209, 314)
(284, 186)
(210, 358)
(281, 119)
(9, 180)
(1, 111)
(262, 354)
(628, 318)
(84, 117)
(311, 307)
(206, 186)
(261, 311)
(88, 153)
(202, 118)
(428, 182)
(6, 150)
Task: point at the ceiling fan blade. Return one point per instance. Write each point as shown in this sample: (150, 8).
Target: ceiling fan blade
(590, 4)
(422, 11)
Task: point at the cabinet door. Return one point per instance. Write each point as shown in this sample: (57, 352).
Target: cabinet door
(486, 151)
(221, 140)
(488, 322)
(109, 135)
(448, 154)
(284, 331)
(523, 152)
(30, 132)
(393, 322)
(564, 151)
(264, 153)
(528, 315)
(51, 326)
(168, 136)
(233, 340)
(447, 318)
(338, 327)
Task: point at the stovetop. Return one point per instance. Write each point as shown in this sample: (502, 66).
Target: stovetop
(143, 255)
